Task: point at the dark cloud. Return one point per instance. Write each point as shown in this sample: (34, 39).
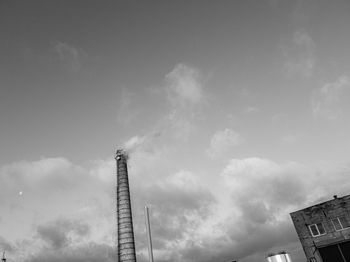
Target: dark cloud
(42, 177)
(259, 193)
(91, 252)
(255, 240)
(5, 245)
(178, 205)
(57, 234)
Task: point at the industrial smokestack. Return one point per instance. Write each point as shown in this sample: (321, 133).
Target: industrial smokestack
(126, 242)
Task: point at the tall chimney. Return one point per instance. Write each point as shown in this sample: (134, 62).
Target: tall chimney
(126, 243)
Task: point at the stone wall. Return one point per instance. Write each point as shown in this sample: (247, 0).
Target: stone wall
(321, 213)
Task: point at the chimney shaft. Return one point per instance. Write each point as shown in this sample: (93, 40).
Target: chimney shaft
(126, 243)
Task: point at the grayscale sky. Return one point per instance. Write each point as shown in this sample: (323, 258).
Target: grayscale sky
(234, 114)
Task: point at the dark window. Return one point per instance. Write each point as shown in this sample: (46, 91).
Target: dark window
(317, 229)
(336, 224)
(321, 228)
(314, 230)
(344, 222)
(340, 223)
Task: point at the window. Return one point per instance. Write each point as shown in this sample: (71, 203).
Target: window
(317, 229)
(340, 223)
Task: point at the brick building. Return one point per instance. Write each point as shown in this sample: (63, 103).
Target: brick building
(324, 230)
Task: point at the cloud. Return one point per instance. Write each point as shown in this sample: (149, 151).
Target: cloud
(146, 143)
(55, 187)
(57, 196)
(184, 85)
(280, 187)
(69, 55)
(242, 215)
(326, 100)
(133, 142)
(62, 232)
(178, 203)
(245, 212)
(178, 200)
(300, 55)
(185, 95)
(239, 213)
(261, 194)
(48, 174)
(223, 141)
(93, 252)
(265, 180)
(5, 245)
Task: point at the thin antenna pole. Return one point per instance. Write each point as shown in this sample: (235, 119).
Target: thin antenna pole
(148, 229)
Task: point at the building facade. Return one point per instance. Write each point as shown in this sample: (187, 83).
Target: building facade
(324, 230)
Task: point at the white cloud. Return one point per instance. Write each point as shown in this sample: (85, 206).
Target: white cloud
(52, 187)
(241, 213)
(300, 55)
(69, 55)
(146, 142)
(262, 193)
(47, 173)
(133, 142)
(281, 187)
(185, 94)
(250, 214)
(184, 85)
(223, 141)
(326, 100)
(265, 180)
(179, 205)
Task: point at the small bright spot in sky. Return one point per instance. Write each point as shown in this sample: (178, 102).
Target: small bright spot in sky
(20, 193)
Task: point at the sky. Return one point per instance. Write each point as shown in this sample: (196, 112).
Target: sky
(233, 114)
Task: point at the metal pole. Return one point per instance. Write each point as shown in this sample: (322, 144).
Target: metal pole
(148, 229)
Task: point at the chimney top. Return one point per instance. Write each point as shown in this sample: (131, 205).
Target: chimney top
(335, 196)
(121, 153)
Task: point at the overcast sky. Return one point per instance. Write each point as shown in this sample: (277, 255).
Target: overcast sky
(234, 114)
